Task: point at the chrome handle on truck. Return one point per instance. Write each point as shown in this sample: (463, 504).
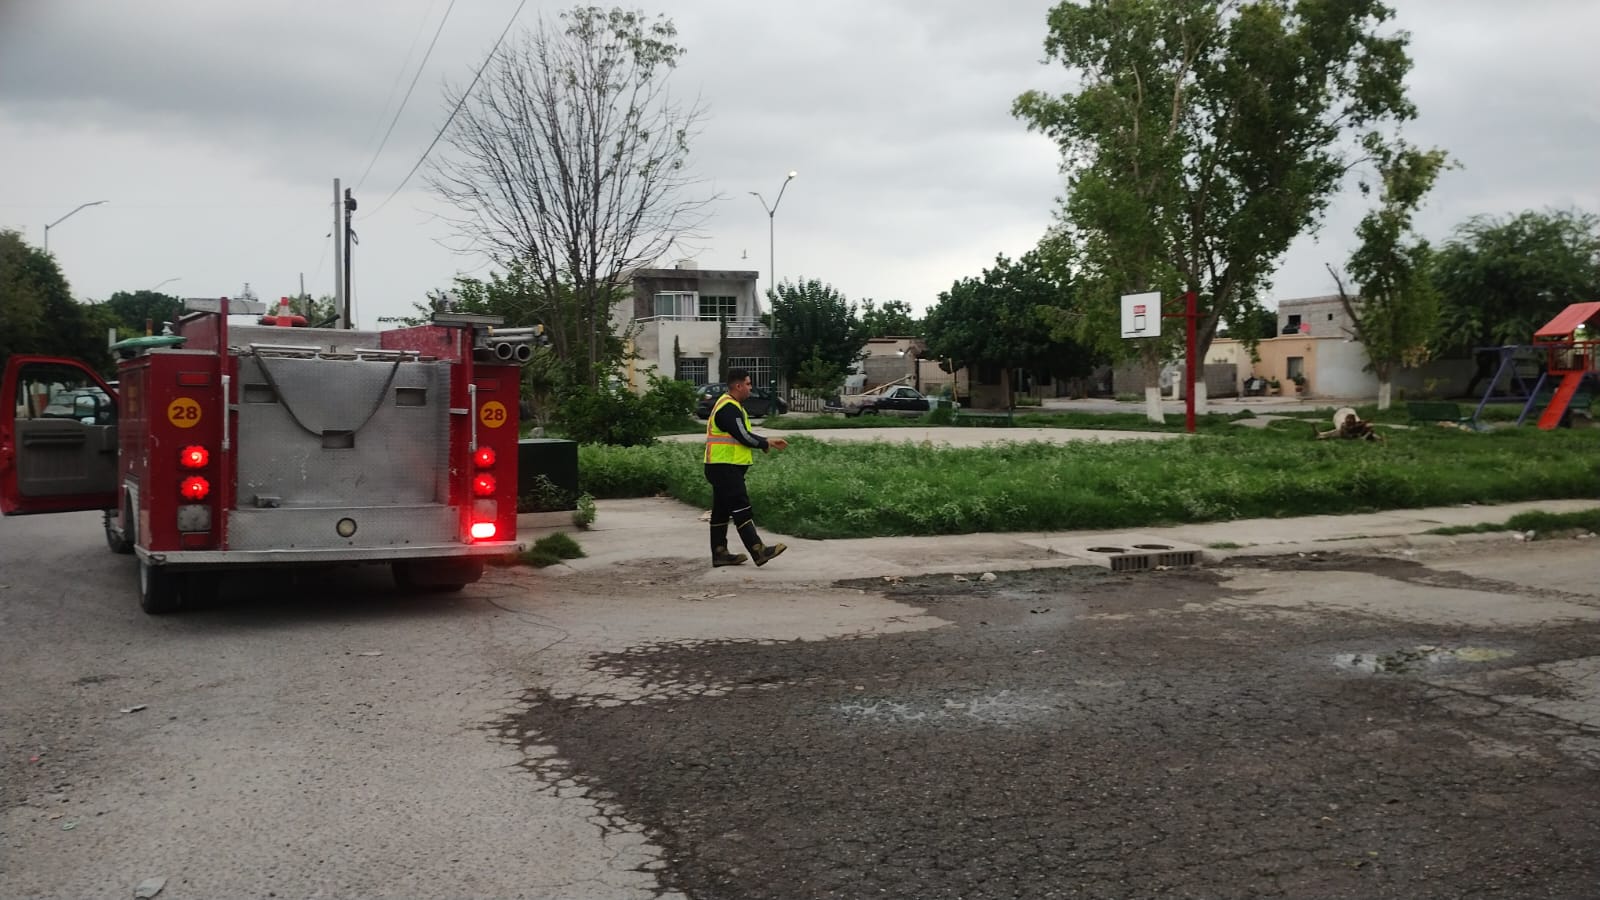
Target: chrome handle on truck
(472, 413)
(227, 381)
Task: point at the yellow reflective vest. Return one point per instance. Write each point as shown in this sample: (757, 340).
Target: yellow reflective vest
(722, 447)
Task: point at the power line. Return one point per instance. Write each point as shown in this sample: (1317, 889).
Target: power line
(405, 64)
(414, 79)
(459, 103)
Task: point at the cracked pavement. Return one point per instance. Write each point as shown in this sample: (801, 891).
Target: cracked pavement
(1416, 723)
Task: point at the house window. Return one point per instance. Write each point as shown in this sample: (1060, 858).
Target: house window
(760, 368)
(714, 308)
(1293, 325)
(675, 305)
(694, 371)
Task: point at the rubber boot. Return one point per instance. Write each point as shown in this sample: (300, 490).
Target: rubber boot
(761, 553)
(719, 547)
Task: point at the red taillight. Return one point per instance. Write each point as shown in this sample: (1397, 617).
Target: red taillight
(482, 531)
(484, 457)
(194, 457)
(483, 485)
(194, 488)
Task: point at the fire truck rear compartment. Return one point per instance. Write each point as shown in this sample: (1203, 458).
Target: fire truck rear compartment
(371, 451)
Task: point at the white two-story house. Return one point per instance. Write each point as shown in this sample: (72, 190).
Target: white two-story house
(693, 324)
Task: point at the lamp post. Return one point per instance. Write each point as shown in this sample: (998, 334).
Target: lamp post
(772, 274)
(168, 281)
(63, 219)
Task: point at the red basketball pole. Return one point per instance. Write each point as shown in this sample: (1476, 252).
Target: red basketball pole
(1189, 315)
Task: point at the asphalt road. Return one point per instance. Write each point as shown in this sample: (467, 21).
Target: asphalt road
(1423, 725)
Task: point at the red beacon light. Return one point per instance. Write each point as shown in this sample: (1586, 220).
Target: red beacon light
(484, 458)
(194, 488)
(194, 456)
(483, 485)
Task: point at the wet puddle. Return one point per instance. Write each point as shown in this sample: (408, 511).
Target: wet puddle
(1414, 659)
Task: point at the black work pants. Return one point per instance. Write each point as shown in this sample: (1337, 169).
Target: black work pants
(728, 493)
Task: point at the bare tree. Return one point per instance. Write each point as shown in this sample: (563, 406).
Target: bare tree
(571, 159)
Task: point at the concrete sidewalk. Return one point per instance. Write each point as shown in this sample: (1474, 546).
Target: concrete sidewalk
(667, 534)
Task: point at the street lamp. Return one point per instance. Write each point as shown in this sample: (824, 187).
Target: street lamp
(63, 219)
(772, 274)
(168, 281)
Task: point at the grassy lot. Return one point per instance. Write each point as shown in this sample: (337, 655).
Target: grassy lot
(821, 490)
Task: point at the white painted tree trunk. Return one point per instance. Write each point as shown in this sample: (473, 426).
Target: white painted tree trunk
(1152, 403)
(1200, 397)
(1383, 394)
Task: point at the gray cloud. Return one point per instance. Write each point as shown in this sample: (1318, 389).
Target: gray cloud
(215, 130)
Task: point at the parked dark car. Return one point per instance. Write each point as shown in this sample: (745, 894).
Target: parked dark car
(761, 402)
(901, 401)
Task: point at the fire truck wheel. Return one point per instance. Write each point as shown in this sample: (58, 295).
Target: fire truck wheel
(119, 541)
(159, 590)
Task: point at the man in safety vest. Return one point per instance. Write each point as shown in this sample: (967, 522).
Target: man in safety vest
(729, 441)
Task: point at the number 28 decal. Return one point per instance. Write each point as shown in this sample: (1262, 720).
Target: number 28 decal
(184, 412)
(492, 414)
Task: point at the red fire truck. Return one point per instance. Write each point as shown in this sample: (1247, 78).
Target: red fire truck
(228, 445)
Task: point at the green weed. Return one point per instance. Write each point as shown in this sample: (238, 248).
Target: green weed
(822, 490)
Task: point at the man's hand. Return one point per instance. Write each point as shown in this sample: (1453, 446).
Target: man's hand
(777, 443)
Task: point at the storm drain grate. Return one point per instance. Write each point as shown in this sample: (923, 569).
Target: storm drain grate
(1124, 559)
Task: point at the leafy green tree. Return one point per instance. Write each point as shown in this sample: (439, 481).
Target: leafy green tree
(819, 377)
(893, 319)
(1397, 309)
(1003, 320)
(812, 319)
(1501, 278)
(572, 162)
(133, 309)
(1206, 135)
(318, 311)
(37, 312)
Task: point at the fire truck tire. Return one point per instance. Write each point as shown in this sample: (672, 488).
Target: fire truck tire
(160, 591)
(440, 577)
(118, 540)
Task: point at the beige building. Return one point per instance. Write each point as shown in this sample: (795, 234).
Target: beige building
(1316, 340)
(676, 321)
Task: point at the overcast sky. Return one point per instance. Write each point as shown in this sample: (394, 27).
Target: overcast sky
(215, 129)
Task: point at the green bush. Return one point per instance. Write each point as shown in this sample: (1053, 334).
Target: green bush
(544, 495)
(615, 415)
(550, 550)
(822, 490)
(584, 515)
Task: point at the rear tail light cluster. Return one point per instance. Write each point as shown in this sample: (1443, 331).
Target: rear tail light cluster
(483, 488)
(194, 516)
(193, 458)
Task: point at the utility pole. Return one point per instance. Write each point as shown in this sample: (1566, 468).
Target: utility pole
(338, 258)
(349, 239)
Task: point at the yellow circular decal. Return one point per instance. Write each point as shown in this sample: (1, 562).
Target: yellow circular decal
(492, 414)
(184, 412)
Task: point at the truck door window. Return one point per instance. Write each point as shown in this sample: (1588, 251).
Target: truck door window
(49, 391)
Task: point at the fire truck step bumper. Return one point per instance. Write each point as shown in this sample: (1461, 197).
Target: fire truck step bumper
(330, 556)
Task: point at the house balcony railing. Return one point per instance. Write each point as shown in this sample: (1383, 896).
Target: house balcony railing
(738, 326)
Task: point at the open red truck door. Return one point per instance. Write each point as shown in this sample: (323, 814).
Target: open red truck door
(58, 437)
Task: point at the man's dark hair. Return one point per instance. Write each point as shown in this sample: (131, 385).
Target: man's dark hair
(736, 375)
